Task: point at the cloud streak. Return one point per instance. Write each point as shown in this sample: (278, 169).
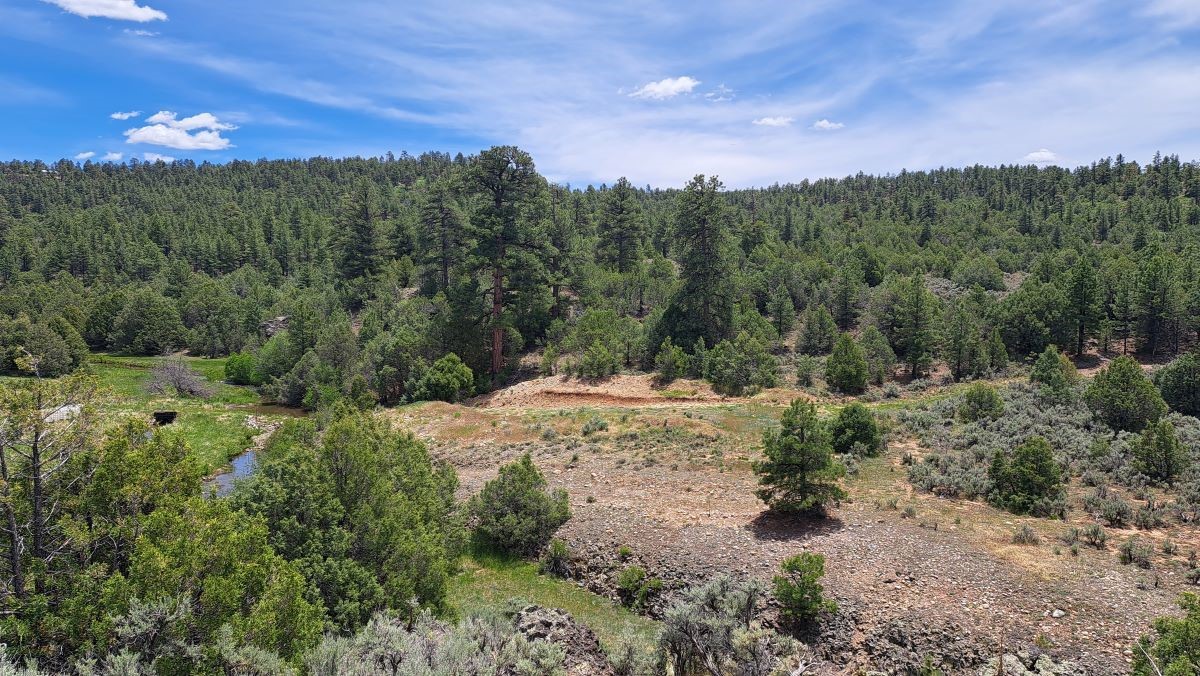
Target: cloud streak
(120, 10)
(666, 88)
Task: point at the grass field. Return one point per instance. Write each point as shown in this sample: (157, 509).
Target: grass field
(492, 583)
(215, 428)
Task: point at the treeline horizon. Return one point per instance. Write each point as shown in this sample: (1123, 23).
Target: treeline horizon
(384, 266)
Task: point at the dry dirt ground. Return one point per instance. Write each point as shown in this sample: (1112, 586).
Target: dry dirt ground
(670, 479)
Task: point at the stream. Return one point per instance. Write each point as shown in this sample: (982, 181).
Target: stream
(243, 464)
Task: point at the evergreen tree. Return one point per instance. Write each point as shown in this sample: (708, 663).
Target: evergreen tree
(880, 357)
(1157, 302)
(781, 310)
(914, 325)
(1179, 383)
(622, 226)
(505, 235)
(1123, 398)
(961, 345)
(846, 369)
(854, 430)
(818, 333)
(442, 231)
(703, 306)
(358, 237)
(1029, 480)
(1158, 453)
(1083, 301)
(997, 354)
(799, 473)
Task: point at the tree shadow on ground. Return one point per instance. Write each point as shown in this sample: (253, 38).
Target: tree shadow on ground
(771, 525)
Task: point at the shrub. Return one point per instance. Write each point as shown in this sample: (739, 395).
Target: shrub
(1111, 508)
(980, 402)
(173, 376)
(515, 512)
(1026, 535)
(556, 560)
(1030, 477)
(597, 362)
(739, 365)
(1176, 650)
(855, 426)
(1134, 550)
(1179, 383)
(242, 369)
(807, 368)
(671, 361)
(449, 379)
(1158, 453)
(1096, 536)
(1123, 398)
(799, 473)
(636, 588)
(798, 588)
(712, 629)
(846, 367)
(593, 425)
(1054, 373)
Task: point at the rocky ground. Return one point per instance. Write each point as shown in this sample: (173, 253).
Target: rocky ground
(668, 486)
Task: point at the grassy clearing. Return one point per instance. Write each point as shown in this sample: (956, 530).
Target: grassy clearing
(214, 428)
(490, 583)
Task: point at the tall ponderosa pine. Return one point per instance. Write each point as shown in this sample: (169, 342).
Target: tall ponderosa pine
(442, 231)
(505, 235)
(622, 226)
(1083, 301)
(358, 237)
(914, 325)
(1156, 301)
(703, 306)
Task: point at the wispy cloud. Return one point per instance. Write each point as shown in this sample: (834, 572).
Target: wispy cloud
(155, 157)
(826, 125)
(112, 157)
(666, 88)
(198, 132)
(125, 116)
(121, 10)
(777, 121)
(86, 155)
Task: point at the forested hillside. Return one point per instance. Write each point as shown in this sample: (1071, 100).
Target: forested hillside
(852, 308)
(383, 266)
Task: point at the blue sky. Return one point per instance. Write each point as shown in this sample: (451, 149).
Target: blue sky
(756, 92)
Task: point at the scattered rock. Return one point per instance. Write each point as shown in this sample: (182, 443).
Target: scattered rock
(585, 657)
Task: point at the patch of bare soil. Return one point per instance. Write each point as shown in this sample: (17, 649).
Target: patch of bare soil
(676, 489)
(619, 390)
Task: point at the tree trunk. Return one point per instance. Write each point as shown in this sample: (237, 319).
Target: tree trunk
(497, 329)
(14, 535)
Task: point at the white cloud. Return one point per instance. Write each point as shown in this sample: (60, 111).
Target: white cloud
(122, 10)
(140, 33)
(198, 132)
(721, 93)
(155, 157)
(777, 121)
(86, 155)
(826, 125)
(200, 121)
(1041, 156)
(666, 88)
(112, 157)
(125, 116)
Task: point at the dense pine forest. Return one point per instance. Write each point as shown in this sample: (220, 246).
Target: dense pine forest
(381, 267)
(343, 286)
